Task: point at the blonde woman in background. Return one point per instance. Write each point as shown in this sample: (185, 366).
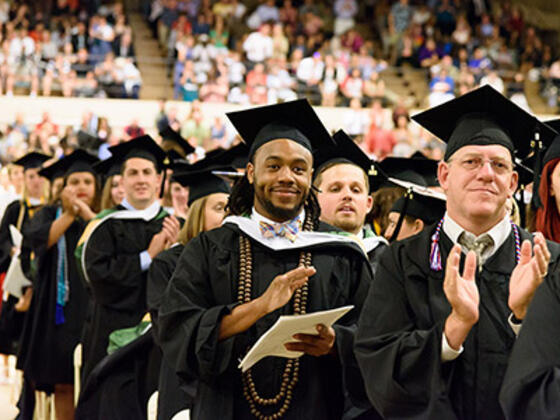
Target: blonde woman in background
(208, 196)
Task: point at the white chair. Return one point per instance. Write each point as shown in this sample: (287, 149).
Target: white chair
(152, 406)
(77, 372)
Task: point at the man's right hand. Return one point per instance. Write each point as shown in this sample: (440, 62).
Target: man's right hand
(157, 244)
(281, 289)
(462, 294)
(278, 293)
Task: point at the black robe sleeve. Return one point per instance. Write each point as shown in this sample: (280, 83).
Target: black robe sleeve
(111, 273)
(160, 272)
(531, 387)
(6, 244)
(36, 232)
(400, 362)
(189, 319)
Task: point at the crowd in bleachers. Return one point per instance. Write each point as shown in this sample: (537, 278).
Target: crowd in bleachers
(335, 51)
(71, 48)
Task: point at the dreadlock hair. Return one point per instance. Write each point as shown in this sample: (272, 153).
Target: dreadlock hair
(242, 197)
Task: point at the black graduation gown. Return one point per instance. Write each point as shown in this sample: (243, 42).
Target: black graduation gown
(203, 290)
(531, 388)
(118, 284)
(174, 394)
(399, 339)
(11, 321)
(119, 387)
(46, 351)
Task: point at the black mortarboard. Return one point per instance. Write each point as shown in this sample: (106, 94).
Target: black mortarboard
(140, 147)
(202, 182)
(345, 150)
(236, 156)
(553, 150)
(430, 175)
(416, 171)
(52, 171)
(418, 202)
(171, 137)
(77, 161)
(294, 120)
(32, 160)
(108, 167)
(87, 141)
(483, 117)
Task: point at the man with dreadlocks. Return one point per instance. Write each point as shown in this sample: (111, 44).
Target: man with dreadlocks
(271, 257)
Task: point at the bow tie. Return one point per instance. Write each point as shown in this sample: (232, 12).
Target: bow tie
(287, 230)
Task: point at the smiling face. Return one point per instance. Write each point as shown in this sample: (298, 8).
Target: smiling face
(344, 197)
(141, 182)
(281, 176)
(477, 181)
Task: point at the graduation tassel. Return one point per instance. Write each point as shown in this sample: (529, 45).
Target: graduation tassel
(536, 145)
(435, 254)
(407, 198)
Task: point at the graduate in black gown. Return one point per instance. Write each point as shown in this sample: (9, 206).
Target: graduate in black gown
(342, 180)
(208, 195)
(437, 327)
(18, 213)
(117, 248)
(56, 315)
(531, 388)
(271, 257)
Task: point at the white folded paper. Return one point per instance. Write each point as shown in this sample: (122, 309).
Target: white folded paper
(17, 237)
(272, 342)
(15, 280)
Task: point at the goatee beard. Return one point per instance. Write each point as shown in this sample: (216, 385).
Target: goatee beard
(280, 213)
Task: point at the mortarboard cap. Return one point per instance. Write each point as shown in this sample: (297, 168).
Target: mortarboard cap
(429, 175)
(484, 117)
(415, 171)
(294, 120)
(171, 138)
(418, 202)
(203, 182)
(236, 156)
(424, 203)
(108, 167)
(140, 147)
(77, 161)
(52, 171)
(553, 150)
(345, 150)
(32, 160)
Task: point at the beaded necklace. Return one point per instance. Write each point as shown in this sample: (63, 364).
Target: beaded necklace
(291, 370)
(435, 254)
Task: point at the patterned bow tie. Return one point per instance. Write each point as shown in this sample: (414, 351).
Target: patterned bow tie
(287, 230)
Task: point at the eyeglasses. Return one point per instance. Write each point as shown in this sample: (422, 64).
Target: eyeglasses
(473, 163)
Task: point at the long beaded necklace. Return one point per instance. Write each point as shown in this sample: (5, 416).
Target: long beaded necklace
(290, 375)
(435, 254)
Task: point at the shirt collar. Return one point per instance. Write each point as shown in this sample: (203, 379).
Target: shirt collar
(499, 232)
(257, 217)
(151, 209)
(360, 234)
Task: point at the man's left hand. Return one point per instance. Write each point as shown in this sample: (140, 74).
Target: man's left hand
(528, 275)
(314, 345)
